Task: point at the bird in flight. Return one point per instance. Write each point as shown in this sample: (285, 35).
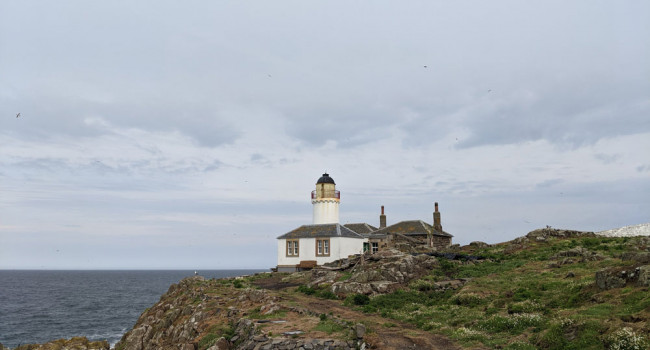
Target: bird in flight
(18, 115)
(425, 66)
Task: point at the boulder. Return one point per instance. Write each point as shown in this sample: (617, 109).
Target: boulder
(134, 338)
(359, 330)
(578, 252)
(611, 278)
(382, 287)
(606, 280)
(640, 257)
(644, 276)
(269, 308)
(479, 244)
(344, 288)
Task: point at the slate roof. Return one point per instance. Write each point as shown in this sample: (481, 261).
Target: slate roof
(361, 228)
(412, 228)
(321, 230)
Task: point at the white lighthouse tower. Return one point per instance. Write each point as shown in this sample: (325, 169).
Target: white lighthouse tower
(326, 200)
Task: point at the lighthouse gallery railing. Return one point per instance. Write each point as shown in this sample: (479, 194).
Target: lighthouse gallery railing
(327, 194)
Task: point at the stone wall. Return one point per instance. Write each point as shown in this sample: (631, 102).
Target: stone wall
(440, 242)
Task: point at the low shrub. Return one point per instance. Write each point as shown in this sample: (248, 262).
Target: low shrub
(526, 306)
(208, 340)
(626, 339)
(323, 293)
(306, 290)
(467, 299)
(513, 324)
(356, 299)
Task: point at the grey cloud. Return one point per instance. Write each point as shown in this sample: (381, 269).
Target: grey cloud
(348, 125)
(607, 158)
(561, 119)
(216, 164)
(49, 115)
(549, 183)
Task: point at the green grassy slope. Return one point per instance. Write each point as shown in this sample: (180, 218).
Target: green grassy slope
(525, 297)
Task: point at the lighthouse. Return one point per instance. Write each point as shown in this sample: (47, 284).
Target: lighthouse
(326, 200)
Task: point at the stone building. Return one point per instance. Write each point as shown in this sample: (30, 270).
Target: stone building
(415, 232)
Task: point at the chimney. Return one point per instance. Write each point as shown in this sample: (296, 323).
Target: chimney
(436, 219)
(382, 218)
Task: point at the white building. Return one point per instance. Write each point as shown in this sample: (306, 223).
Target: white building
(325, 240)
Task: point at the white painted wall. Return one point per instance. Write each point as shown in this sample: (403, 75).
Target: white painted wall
(340, 247)
(326, 211)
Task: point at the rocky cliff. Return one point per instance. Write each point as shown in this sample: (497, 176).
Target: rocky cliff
(257, 312)
(548, 289)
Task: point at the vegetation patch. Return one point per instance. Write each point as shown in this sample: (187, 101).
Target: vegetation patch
(322, 292)
(519, 300)
(329, 326)
(626, 339)
(213, 334)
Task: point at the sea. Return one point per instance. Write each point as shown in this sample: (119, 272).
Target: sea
(37, 306)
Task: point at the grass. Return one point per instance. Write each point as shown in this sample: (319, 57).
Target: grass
(214, 333)
(328, 326)
(516, 301)
(322, 291)
(256, 314)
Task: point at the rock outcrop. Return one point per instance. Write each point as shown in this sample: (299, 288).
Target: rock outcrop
(377, 273)
(181, 315)
(616, 277)
(216, 315)
(574, 255)
(549, 232)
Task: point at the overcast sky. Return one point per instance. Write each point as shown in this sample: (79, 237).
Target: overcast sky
(189, 135)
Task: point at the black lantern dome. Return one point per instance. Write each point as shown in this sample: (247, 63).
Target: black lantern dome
(325, 179)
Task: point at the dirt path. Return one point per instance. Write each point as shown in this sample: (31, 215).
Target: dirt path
(401, 336)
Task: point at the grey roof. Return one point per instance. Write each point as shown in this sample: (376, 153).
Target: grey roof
(361, 228)
(321, 230)
(412, 228)
(325, 179)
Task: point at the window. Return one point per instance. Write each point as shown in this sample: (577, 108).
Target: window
(375, 247)
(322, 247)
(292, 247)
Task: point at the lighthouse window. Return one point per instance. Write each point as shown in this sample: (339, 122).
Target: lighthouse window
(292, 248)
(322, 247)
